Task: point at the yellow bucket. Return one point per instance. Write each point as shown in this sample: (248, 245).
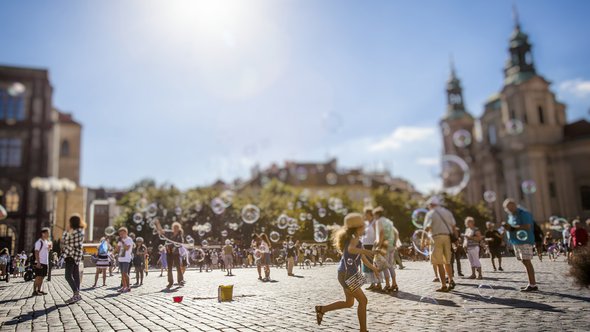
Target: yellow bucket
(225, 293)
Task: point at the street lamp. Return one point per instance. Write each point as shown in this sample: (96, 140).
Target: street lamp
(53, 185)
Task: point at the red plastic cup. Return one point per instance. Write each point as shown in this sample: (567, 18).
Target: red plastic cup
(177, 299)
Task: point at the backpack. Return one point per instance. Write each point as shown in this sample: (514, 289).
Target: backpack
(538, 233)
(33, 258)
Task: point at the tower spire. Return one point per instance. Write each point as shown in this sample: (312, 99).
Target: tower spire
(515, 16)
(452, 65)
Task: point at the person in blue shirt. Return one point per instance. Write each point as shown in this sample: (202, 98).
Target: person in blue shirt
(520, 228)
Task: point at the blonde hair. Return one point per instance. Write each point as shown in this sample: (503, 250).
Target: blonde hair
(468, 219)
(342, 236)
(176, 223)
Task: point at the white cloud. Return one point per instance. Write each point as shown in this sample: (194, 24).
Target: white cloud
(428, 161)
(402, 135)
(577, 87)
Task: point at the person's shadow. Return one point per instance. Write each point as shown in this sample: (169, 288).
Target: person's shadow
(32, 315)
(510, 302)
(416, 298)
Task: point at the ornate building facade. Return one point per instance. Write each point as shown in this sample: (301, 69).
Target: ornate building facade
(522, 145)
(36, 140)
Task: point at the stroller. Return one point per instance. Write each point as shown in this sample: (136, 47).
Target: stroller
(29, 270)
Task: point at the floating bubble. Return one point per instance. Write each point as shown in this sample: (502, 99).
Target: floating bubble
(309, 216)
(16, 89)
(141, 204)
(233, 226)
(198, 206)
(301, 173)
(418, 217)
(485, 291)
(332, 178)
(227, 197)
(178, 210)
(331, 122)
(522, 235)
(274, 236)
(250, 214)
(204, 243)
(462, 138)
(489, 196)
(421, 241)
(322, 212)
(198, 255)
(529, 187)
(217, 205)
(427, 301)
(455, 174)
(196, 227)
(189, 239)
(514, 127)
(137, 218)
(224, 233)
(162, 237)
(283, 221)
(152, 223)
(302, 216)
(470, 307)
(290, 205)
(291, 230)
(349, 261)
(292, 222)
(320, 233)
(207, 227)
(335, 203)
(303, 197)
(138, 228)
(202, 233)
(152, 210)
(109, 231)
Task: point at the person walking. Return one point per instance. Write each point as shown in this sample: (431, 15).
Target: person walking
(140, 252)
(125, 249)
(265, 259)
(520, 228)
(347, 241)
(368, 240)
(291, 253)
(71, 243)
(494, 241)
(385, 239)
(42, 249)
(471, 241)
(441, 224)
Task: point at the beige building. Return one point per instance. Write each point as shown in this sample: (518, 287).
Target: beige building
(522, 145)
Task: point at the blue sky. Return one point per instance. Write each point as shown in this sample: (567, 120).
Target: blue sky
(191, 91)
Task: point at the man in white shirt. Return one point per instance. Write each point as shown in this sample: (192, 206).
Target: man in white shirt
(42, 247)
(124, 248)
(440, 223)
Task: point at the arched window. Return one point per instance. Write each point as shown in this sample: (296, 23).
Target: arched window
(64, 149)
(541, 115)
(7, 238)
(12, 199)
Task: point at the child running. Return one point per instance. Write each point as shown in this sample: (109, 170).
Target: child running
(347, 241)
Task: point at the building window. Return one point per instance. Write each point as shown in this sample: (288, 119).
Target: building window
(7, 238)
(12, 200)
(492, 134)
(10, 152)
(12, 106)
(585, 194)
(64, 150)
(541, 115)
(552, 191)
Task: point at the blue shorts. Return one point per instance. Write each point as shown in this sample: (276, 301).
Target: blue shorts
(124, 267)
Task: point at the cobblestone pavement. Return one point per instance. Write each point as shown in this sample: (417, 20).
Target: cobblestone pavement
(287, 303)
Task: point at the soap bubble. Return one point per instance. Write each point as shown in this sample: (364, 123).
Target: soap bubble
(462, 138)
(198, 206)
(320, 233)
(529, 187)
(421, 241)
(486, 291)
(207, 227)
(190, 240)
(292, 222)
(16, 89)
(331, 122)
(418, 217)
(137, 218)
(233, 226)
(202, 233)
(349, 261)
(335, 203)
(152, 210)
(455, 174)
(224, 233)
(489, 196)
(227, 197)
(322, 212)
(302, 216)
(514, 127)
(250, 214)
(198, 255)
(217, 205)
(109, 231)
(332, 178)
(141, 204)
(138, 228)
(303, 197)
(309, 216)
(522, 235)
(283, 221)
(291, 230)
(178, 210)
(204, 243)
(274, 236)
(470, 307)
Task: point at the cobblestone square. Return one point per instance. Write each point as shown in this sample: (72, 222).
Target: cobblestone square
(286, 304)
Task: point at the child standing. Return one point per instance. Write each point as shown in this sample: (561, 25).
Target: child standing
(228, 257)
(471, 242)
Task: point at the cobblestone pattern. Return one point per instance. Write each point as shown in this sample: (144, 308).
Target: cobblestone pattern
(286, 304)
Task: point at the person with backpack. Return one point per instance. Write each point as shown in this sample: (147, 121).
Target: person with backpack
(521, 234)
(41, 257)
(103, 262)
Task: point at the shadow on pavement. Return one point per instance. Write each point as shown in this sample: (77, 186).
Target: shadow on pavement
(573, 297)
(416, 298)
(32, 315)
(514, 303)
(14, 300)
